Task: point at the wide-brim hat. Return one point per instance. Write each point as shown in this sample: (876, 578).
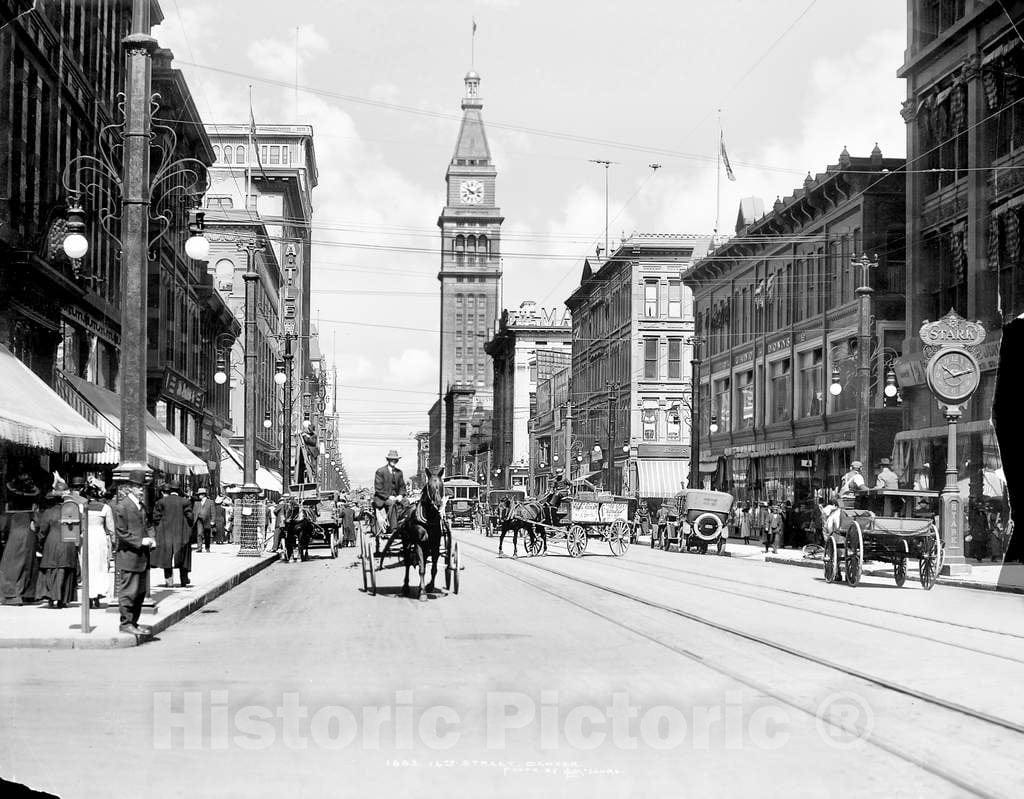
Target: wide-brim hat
(393, 455)
(138, 477)
(856, 465)
(202, 491)
(884, 462)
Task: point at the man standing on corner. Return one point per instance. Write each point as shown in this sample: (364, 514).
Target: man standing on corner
(131, 552)
(388, 488)
(172, 516)
(202, 511)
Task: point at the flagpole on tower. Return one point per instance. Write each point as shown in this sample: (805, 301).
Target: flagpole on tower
(472, 47)
(718, 179)
(248, 155)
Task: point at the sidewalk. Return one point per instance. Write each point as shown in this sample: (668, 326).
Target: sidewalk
(213, 573)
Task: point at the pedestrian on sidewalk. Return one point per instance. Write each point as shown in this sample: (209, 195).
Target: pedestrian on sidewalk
(101, 534)
(202, 513)
(220, 521)
(348, 525)
(18, 568)
(229, 518)
(172, 520)
(58, 570)
(745, 523)
(759, 521)
(132, 548)
(773, 535)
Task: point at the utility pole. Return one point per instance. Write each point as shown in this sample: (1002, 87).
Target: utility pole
(695, 420)
(568, 440)
(613, 389)
(606, 165)
(864, 294)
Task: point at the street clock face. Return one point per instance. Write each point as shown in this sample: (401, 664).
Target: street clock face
(471, 192)
(953, 375)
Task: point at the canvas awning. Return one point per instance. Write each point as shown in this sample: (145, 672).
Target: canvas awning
(33, 414)
(165, 452)
(661, 478)
(232, 470)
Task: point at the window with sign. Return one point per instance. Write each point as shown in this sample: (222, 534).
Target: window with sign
(781, 402)
(649, 420)
(651, 298)
(811, 384)
(721, 404)
(745, 400)
(674, 422)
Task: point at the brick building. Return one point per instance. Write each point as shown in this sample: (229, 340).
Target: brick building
(778, 311)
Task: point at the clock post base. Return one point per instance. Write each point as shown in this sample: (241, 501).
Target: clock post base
(957, 568)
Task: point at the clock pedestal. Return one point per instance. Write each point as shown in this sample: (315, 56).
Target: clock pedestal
(951, 511)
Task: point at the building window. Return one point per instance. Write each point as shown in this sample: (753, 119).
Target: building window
(720, 403)
(221, 202)
(275, 155)
(216, 152)
(651, 298)
(675, 299)
(675, 359)
(674, 422)
(229, 153)
(650, 359)
(811, 384)
(462, 429)
(781, 396)
(239, 155)
(284, 154)
(263, 154)
(649, 421)
(938, 15)
(745, 400)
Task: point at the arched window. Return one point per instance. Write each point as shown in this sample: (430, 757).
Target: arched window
(483, 245)
(460, 243)
(225, 272)
(239, 155)
(471, 244)
(228, 155)
(216, 152)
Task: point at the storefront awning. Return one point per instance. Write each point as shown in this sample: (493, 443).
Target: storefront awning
(232, 472)
(33, 414)
(165, 452)
(661, 478)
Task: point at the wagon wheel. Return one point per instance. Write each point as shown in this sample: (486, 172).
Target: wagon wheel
(370, 568)
(940, 550)
(576, 540)
(618, 537)
(899, 569)
(456, 566)
(362, 561)
(930, 563)
(533, 543)
(334, 541)
(854, 554)
(449, 559)
(831, 559)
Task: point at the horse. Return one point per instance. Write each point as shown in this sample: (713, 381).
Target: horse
(297, 522)
(529, 515)
(420, 530)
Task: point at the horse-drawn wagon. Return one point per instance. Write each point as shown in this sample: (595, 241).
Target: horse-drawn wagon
(903, 527)
(499, 504)
(302, 514)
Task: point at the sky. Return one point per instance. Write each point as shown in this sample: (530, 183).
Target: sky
(791, 82)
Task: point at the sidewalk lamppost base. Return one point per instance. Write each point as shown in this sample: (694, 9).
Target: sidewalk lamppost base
(249, 519)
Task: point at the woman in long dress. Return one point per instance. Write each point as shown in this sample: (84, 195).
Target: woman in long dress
(18, 567)
(58, 570)
(101, 532)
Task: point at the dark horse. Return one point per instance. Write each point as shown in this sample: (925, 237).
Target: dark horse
(297, 527)
(531, 516)
(420, 530)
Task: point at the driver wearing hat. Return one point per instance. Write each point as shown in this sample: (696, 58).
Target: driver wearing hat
(886, 476)
(852, 484)
(388, 490)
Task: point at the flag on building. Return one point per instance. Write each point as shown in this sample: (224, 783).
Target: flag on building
(474, 25)
(725, 158)
(254, 141)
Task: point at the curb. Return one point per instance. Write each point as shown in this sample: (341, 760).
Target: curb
(885, 572)
(124, 640)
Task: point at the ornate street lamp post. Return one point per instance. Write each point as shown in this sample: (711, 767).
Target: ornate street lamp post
(119, 181)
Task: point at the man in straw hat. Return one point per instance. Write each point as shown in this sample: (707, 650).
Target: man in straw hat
(886, 476)
(388, 490)
(131, 551)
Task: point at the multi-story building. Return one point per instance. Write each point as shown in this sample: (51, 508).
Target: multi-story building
(632, 323)
(261, 185)
(965, 199)
(528, 346)
(422, 460)
(548, 428)
(777, 309)
(470, 278)
(62, 66)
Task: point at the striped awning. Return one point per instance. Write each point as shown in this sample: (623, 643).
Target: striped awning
(232, 472)
(661, 478)
(33, 414)
(165, 452)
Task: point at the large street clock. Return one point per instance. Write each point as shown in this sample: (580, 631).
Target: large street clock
(471, 192)
(953, 375)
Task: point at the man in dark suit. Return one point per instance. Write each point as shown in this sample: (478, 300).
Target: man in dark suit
(131, 552)
(202, 512)
(348, 524)
(172, 516)
(389, 488)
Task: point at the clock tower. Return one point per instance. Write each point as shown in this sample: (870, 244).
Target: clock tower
(470, 277)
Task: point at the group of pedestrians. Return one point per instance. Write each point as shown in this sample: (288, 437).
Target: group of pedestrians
(38, 565)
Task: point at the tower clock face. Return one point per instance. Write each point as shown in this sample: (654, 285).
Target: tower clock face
(953, 375)
(471, 192)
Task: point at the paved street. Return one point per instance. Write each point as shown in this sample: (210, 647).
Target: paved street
(651, 674)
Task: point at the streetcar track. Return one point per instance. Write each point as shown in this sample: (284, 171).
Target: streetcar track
(615, 565)
(797, 653)
(847, 603)
(895, 749)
